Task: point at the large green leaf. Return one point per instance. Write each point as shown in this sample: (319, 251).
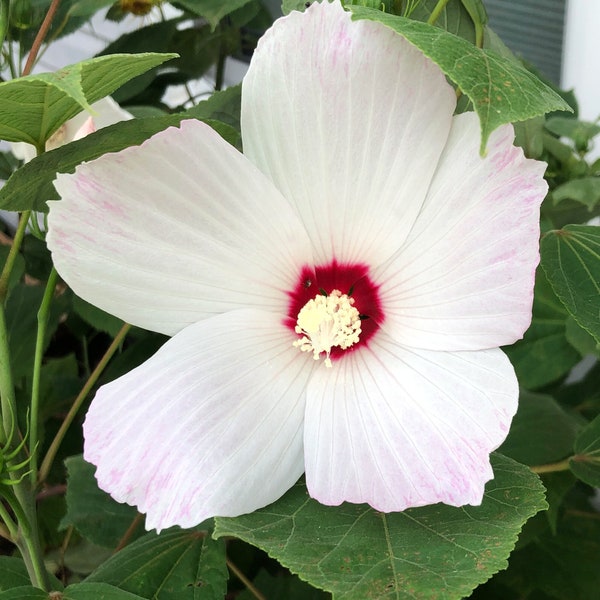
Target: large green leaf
(431, 552)
(501, 90)
(571, 260)
(31, 186)
(90, 510)
(544, 354)
(32, 108)
(175, 565)
(585, 464)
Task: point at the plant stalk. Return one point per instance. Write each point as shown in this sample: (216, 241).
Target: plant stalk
(43, 316)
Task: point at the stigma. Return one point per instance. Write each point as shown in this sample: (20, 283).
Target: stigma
(325, 322)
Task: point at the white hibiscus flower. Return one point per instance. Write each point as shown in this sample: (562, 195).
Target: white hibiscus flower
(360, 226)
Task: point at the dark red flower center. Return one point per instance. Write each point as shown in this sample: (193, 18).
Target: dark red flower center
(350, 279)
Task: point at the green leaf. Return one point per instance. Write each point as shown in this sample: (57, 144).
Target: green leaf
(543, 355)
(21, 315)
(571, 260)
(31, 186)
(287, 6)
(541, 431)
(91, 511)
(356, 552)
(97, 591)
(580, 339)
(581, 132)
(24, 593)
(175, 565)
(96, 317)
(585, 464)
(13, 573)
(585, 190)
(212, 10)
(18, 268)
(32, 108)
(563, 566)
(501, 91)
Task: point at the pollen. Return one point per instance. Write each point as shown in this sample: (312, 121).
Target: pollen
(325, 322)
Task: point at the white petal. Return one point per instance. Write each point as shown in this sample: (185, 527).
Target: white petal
(211, 425)
(349, 120)
(175, 230)
(464, 279)
(396, 428)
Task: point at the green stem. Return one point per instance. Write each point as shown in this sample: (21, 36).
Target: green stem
(437, 11)
(8, 403)
(89, 384)
(26, 537)
(43, 316)
(11, 526)
(12, 255)
(240, 575)
(562, 465)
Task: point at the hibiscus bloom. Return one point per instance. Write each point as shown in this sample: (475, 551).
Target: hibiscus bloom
(336, 295)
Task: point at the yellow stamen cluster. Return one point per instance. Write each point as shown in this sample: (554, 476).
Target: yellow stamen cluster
(325, 322)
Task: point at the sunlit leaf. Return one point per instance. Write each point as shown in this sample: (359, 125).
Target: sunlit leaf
(501, 90)
(32, 108)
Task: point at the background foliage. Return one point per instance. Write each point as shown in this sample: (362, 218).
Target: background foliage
(537, 534)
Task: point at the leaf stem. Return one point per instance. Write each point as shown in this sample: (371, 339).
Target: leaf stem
(89, 384)
(27, 537)
(8, 403)
(39, 38)
(12, 255)
(562, 465)
(437, 11)
(10, 527)
(249, 585)
(43, 316)
(130, 531)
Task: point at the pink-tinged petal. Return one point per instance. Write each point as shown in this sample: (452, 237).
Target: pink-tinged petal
(175, 230)
(464, 278)
(395, 427)
(210, 425)
(349, 120)
(105, 112)
(87, 128)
